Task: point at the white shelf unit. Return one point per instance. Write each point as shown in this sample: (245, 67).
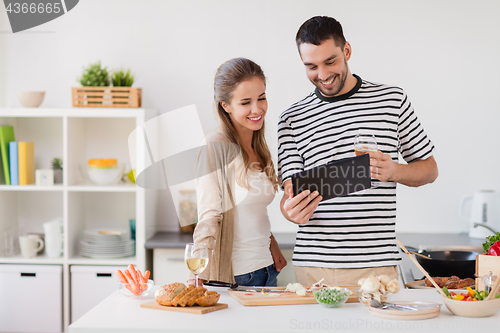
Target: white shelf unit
(76, 135)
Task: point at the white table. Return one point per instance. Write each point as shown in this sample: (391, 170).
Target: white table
(118, 313)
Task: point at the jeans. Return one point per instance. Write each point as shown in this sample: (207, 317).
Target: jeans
(264, 277)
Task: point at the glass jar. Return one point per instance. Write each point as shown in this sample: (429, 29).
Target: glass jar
(188, 212)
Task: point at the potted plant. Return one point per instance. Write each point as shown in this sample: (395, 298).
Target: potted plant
(57, 167)
(95, 76)
(96, 91)
(120, 78)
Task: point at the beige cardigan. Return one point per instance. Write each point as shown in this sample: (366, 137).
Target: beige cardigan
(215, 180)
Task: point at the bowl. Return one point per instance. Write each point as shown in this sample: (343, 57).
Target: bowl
(472, 309)
(31, 99)
(102, 176)
(134, 290)
(332, 297)
(365, 297)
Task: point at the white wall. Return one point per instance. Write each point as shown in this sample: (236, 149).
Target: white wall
(443, 53)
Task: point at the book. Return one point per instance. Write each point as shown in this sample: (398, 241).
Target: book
(13, 159)
(6, 136)
(26, 161)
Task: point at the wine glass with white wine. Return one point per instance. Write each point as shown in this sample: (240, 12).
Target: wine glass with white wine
(196, 259)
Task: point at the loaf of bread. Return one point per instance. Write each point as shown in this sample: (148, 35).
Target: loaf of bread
(178, 298)
(199, 293)
(165, 294)
(177, 294)
(210, 298)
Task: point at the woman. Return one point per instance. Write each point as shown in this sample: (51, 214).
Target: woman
(236, 181)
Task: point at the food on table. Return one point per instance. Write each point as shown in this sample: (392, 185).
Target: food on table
(490, 240)
(296, 288)
(377, 287)
(165, 294)
(471, 295)
(494, 249)
(453, 282)
(332, 297)
(299, 292)
(177, 294)
(133, 279)
(319, 284)
(371, 284)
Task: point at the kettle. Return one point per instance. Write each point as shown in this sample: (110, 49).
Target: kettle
(484, 218)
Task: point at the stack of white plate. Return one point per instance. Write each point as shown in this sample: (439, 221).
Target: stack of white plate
(107, 244)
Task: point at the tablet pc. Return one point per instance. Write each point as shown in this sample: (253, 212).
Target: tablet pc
(335, 179)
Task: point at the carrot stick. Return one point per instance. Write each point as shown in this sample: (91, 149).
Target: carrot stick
(133, 284)
(120, 276)
(140, 279)
(123, 279)
(133, 273)
(146, 276)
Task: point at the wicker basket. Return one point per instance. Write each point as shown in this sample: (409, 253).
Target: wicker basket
(107, 97)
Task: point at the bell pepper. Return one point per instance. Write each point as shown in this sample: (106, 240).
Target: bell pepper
(494, 249)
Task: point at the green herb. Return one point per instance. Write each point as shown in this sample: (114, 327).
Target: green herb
(490, 240)
(120, 78)
(94, 76)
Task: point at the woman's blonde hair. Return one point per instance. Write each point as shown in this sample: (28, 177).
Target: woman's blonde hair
(228, 76)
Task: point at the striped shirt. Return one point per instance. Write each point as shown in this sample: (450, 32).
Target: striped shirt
(358, 230)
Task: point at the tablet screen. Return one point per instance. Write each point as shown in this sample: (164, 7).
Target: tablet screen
(335, 179)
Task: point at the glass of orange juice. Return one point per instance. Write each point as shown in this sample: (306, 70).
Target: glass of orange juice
(363, 144)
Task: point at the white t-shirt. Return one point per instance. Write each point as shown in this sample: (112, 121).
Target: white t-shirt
(252, 228)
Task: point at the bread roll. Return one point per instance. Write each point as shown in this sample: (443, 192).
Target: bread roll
(165, 294)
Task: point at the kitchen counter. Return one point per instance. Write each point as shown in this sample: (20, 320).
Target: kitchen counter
(118, 313)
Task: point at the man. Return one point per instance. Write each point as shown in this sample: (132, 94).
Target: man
(349, 237)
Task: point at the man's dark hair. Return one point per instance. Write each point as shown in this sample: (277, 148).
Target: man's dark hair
(318, 29)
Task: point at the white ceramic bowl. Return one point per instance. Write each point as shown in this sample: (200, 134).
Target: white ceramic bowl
(472, 309)
(31, 99)
(103, 176)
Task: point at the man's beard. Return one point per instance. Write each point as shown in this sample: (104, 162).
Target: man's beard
(340, 87)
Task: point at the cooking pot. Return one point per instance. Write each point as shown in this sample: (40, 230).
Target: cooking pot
(448, 263)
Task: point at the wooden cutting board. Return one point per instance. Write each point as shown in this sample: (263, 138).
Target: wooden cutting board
(188, 309)
(260, 299)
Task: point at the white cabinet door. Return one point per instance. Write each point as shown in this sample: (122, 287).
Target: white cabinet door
(90, 285)
(31, 298)
(169, 266)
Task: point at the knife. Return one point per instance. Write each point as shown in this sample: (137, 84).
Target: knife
(236, 287)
